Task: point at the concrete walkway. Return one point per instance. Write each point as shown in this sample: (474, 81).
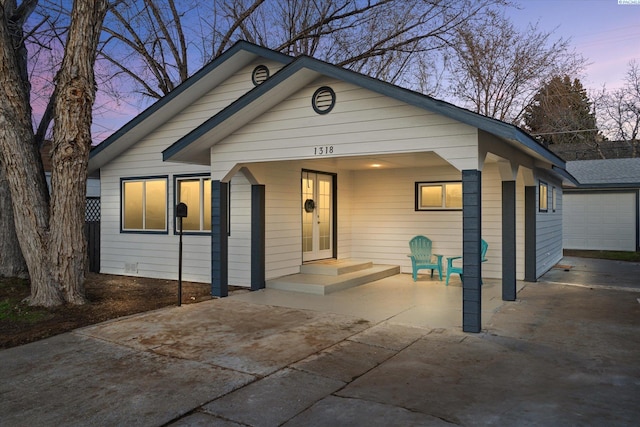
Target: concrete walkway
(560, 355)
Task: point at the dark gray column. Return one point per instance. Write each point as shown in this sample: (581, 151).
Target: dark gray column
(219, 239)
(530, 211)
(257, 237)
(471, 236)
(508, 240)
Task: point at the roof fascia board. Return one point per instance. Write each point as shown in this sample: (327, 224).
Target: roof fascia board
(160, 111)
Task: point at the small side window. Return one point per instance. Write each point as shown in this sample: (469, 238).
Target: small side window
(543, 196)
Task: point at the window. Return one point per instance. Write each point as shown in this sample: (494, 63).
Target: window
(195, 192)
(543, 195)
(144, 204)
(553, 199)
(438, 196)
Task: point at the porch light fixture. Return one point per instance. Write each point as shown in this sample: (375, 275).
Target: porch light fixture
(323, 101)
(260, 74)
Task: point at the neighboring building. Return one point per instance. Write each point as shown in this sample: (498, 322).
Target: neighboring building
(255, 135)
(603, 213)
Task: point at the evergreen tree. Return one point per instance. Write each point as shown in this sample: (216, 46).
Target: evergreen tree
(560, 112)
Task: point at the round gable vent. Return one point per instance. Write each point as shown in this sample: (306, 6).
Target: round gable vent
(260, 74)
(324, 99)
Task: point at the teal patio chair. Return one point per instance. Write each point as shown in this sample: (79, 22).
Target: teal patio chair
(422, 258)
(452, 269)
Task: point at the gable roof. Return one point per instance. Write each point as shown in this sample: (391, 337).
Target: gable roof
(203, 81)
(614, 173)
(194, 146)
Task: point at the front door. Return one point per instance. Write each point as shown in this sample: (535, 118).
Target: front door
(317, 216)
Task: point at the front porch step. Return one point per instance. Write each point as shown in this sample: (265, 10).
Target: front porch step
(334, 267)
(323, 284)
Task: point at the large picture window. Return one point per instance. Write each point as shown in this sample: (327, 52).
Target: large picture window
(144, 204)
(195, 192)
(438, 196)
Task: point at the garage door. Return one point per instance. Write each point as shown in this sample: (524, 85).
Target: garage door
(599, 221)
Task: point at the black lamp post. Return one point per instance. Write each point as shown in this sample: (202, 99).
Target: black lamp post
(181, 212)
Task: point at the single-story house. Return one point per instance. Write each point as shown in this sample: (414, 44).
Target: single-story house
(283, 161)
(603, 213)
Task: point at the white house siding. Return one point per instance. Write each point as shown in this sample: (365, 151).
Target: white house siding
(155, 255)
(375, 222)
(240, 231)
(600, 221)
(492, 220)
(549, 229)
(283, 233)
(384, 217)
(361, 123)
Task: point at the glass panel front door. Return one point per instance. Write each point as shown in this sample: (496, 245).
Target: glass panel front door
(317, 216)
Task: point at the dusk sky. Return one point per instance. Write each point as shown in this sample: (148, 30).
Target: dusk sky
(605, 32)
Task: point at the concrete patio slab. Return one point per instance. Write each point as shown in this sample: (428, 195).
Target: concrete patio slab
(345, 412)
(231, 334)
(559, 355)
(279, 396)
(72, 380)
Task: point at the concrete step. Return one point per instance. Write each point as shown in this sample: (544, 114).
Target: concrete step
(334, 267)
(323, 284)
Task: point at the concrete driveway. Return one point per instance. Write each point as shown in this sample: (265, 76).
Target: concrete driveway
(560, 355)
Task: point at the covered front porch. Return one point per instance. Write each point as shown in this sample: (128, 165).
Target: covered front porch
(398, 299)
(375, 217)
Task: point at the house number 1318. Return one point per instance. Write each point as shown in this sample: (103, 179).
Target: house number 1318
(321, 151)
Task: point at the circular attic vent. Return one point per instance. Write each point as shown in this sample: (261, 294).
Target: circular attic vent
(260, 74)
(323, 100)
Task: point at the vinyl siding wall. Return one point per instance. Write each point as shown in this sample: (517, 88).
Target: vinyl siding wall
(154, 255)
(376, 217)
(549, 229)
(361, 123)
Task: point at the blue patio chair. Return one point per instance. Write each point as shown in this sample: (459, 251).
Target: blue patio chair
(422, 258)
(452, 269)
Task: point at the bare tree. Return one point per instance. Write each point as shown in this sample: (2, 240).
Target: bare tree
(619, 110)
(158, 44)
(495, 69)
(50, 234)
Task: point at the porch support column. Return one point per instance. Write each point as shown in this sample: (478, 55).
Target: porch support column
(219, 239)
(508, 240)
(530, 211)
(471, 236)
(257, 237)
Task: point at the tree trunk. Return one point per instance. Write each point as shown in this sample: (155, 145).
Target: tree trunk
(23, 171)
(12, 262)
(54, 255)
(74, 97)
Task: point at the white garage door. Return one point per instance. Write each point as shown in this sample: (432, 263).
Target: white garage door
(599, 221)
